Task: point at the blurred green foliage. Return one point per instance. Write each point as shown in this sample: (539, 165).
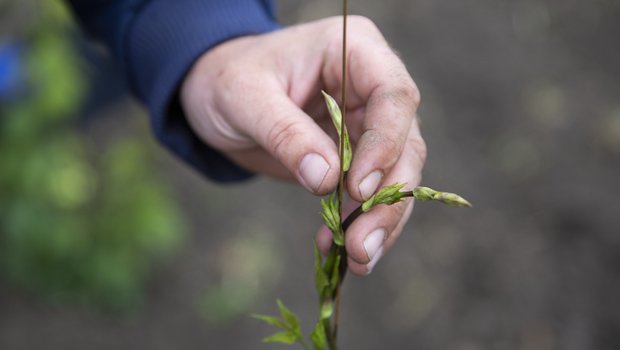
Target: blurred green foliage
(75, 225)
(248, 266)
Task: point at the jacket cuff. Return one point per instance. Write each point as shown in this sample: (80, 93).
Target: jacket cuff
(162, 43)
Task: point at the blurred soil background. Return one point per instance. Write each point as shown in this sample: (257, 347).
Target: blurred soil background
(108, 242)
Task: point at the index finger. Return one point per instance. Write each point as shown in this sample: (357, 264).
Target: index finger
(381, 83)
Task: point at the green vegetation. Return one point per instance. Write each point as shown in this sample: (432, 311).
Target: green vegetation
(75, 225)
(330, 272)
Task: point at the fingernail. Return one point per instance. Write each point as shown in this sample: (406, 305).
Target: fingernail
(373, 243)
(374, 261)
(369, 185)
(313, 169)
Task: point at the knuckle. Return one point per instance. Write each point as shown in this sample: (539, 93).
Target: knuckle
(363, 22)
(232, 77)
(281, 134)
(402, 96)
(387, 143)
(420, 150)
(415, 95)
(406, 93)
(392, 147)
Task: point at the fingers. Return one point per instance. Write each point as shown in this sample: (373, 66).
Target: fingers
(383, 99)
(388, 119)
(389, 116)
(366, 246)
(239, 105)
(380, 82)
(389, 150)
(258, 161)
(373, 233)
(365, 251)
(259, 108)
(293, 138)
(324, 236)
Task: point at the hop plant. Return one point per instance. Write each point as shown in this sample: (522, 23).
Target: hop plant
(330, 271)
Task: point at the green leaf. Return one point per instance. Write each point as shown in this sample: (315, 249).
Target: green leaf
(348, 153)
(387, 195)
(330, 213)
(327, 309)
(289, 317)
(423, 194)
(330, 261)
(331, 216)
(333, 283)
(318, 337)
(271, 320)
(336, 115)
(282, 337)
(454, 200)
(338, 238)
(334, 110)
(289, 323)
(320, 277)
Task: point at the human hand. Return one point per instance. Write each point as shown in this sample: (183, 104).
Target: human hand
(257, 99)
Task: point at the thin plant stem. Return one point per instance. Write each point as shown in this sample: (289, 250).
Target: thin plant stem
(343, 107)
(333, 333)
(344, 103)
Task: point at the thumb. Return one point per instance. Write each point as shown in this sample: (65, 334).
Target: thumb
(296, 141)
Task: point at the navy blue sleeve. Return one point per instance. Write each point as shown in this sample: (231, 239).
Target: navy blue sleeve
(157, 42)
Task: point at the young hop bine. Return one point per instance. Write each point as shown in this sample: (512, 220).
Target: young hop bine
(329, 272)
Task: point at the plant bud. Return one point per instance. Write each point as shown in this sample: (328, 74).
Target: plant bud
(424, 193)
(452, 199)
